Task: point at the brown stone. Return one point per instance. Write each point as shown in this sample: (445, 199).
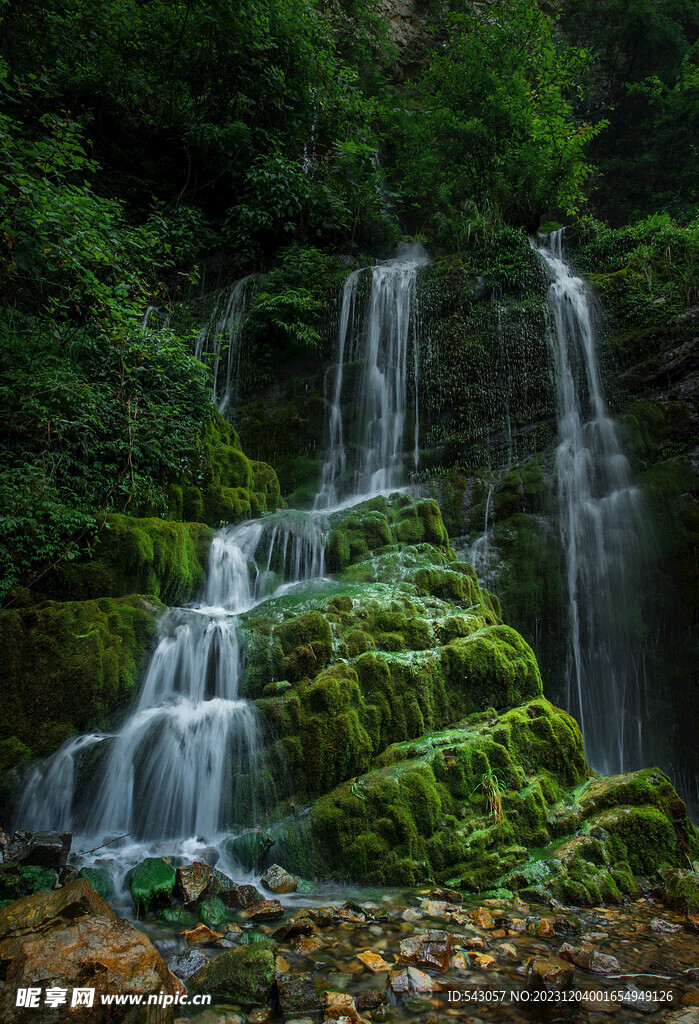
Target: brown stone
(483, 961)
(266, 910)
(200, 935)
(589, 959)
(476, 942)
(243, 896)
(45, 910)
(192, 881)
(432, 949)
(450, 895)
(297, 994)
(543, 928)
(281, 965)
(373, 961)
(507, 954)
(305, 945)
(548, 974)
(411, 981)
(276, 879)
(83, 951)
(482, 918)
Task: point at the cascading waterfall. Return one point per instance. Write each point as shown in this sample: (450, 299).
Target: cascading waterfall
(600, 527)
(378, 336)
(225, 326)
(183, 762)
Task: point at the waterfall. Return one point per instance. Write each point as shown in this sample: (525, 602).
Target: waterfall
(378, 336)
(184, 760)
(225, 327)
(600, 528)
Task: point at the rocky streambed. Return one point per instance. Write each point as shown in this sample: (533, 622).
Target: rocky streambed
(281, 949)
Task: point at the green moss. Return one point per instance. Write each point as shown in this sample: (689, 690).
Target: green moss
(245, 974)
(69, 664)
(17, 880)
(494, 666)
(100, 881)
(681, 891)
(306, 643)
(140, 556)
(153, 880)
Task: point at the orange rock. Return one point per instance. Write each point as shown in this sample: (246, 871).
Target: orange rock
(307, 944)
(432, 949)
(373, 961)
(482, 918)
(265, 911)
(483, 961)
(201, 935)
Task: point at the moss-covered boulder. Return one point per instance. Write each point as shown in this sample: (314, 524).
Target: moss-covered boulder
(68, 665)
(245, 974)
(152, 881)
(139, 556)
(17, 880)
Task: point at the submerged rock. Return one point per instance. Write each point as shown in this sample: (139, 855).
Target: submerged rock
(548, 974)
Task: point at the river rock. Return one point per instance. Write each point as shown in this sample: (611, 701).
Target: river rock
(590, 959)
(482, 918)
(373, 961)
(45, 849)
(71, 938)
(432, 949)
(153, 880)
(276, 879)
(411, 981)
(267, 910)
(659, 924)
(297, 994)
(100, 880)
(213, 912)
(548, 974)
(250, 847)
(507, 953)
(193, 881)
(245, 974)
(306, 945)
(243, 896)
(201, 935)
(185, 964)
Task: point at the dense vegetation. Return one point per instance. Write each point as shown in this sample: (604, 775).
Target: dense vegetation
(146, 145)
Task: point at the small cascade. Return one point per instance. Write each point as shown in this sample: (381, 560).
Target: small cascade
(376, 329)
(479, 552)
(600, 527)
(223, 334)
(184, 761)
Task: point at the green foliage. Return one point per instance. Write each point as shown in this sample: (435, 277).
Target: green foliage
(491, 129)
(645, 83)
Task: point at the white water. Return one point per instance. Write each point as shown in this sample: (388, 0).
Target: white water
(183, 763)
(375, 330)
(223, 334)
(600, 528)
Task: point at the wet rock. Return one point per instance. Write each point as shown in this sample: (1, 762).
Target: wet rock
(684, 1015)
(681, 890)
(247, 938)
(193, 881)
(175, 915)
(411, 981)
(243, 896)
(691, 923)
(44, 849)
(281, 966)
(70, 938)
(306, 945)
(548, 974)
(475, 942)
(340, 1006)
(632, 997)
(432, 949)
(659, 924)
(152, 881)
(219, 883)
(299, 924)
(100, 880)
(589, 959)
(458, 962)
(507, 954)
(276, 879)
(246, 974)
(297, 994)
(373, 961)
(483, 961)
(185, 964)
(543, 929)
(214, 912)
(200, 935)
(209, 856)
(482, 918)
(261, 1016)
(449, 895)
(266, 910)
(250, 848)
(370, 999)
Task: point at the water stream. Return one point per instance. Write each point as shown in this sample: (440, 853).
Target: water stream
(379, 330)
(600, 525)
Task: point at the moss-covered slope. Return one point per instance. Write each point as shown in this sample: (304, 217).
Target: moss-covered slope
(67, 666)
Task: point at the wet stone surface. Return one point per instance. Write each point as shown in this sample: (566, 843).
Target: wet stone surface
(432, 956)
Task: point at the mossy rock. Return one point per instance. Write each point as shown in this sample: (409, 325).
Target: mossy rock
(17, 880)
(244, 974)
(69, 665)
(100, 880)
(213, 912)
(153, 881)
(681, 891)
(140, 556)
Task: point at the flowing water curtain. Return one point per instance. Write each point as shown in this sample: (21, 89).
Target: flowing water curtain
(187, 761)
(602, 529)
(377, 333)
(219, 341)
